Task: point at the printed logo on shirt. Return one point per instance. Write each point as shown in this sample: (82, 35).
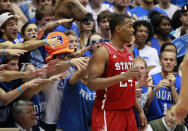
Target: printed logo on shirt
(114, 56)
(123, 65)
(88, 96)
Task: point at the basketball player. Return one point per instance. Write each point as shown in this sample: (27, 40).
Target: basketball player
(112, 75)
(181, 108)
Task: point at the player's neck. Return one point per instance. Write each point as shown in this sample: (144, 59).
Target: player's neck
(117, 43)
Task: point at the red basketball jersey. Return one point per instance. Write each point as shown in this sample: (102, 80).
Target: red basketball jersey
(121, 95)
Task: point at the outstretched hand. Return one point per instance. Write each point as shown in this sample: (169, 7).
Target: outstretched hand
(144, 81)
(36, 73)
(59, 76)
(81, 62)
(15, 52)
(63, 21)
(53, 42)
(80, 52)
(180, 110)
(33, 83)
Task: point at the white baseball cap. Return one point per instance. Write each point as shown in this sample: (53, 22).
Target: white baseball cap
(4, 17)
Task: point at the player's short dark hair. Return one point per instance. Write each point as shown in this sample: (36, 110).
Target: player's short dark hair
(117, 19)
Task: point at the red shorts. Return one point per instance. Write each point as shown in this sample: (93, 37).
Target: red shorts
(113, 120)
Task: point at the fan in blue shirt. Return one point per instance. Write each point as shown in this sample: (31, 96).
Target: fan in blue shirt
(144, 9)
(77, 104)
(167, 88)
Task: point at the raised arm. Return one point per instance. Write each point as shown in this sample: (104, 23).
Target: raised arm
(141, 115)
(77, 76)
(181, 107)
(11, 75)
(11, 52)
(97, 67)
(28, 94)
(30, 45)
(52, 25)
(62, 66)
(8, 97)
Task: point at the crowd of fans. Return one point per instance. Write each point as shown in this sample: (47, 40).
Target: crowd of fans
(44, 83)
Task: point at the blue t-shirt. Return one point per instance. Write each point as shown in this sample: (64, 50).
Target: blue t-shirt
(39, 107)
(25, 10)
(163, 98)
(5, 117)
(76, 108)
(33, 20)
(136, 51)
(155, 44)
(18, 40)
(142, 13)
(39, 104)
(109, 3)
(88, 54)
(62, 28)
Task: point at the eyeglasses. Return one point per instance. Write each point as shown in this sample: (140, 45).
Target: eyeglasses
(101, 40)
(65, 55)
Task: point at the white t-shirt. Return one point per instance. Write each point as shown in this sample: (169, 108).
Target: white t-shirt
(53, 97)
(171, 10)
(151, 56)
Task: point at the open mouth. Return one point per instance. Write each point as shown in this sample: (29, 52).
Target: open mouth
(129, 45)
(34, 37)
(108, 29)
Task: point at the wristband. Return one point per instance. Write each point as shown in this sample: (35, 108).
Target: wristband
(20, 90)
(45, 41)
(3, 52)
(69, 62)
(154, 90)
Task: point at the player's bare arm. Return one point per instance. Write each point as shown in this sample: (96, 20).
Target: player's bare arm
(97, 68)
(181, 108)
(141, 116)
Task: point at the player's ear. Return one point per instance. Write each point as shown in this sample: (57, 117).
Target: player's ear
(118, 29)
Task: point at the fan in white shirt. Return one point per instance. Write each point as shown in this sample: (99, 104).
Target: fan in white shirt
(143, 33)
